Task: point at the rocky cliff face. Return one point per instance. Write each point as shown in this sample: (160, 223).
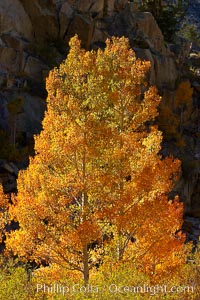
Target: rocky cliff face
(193, 13)
(33, 38)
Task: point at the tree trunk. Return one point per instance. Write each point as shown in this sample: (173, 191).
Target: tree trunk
(84, 206)
(85, 265)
